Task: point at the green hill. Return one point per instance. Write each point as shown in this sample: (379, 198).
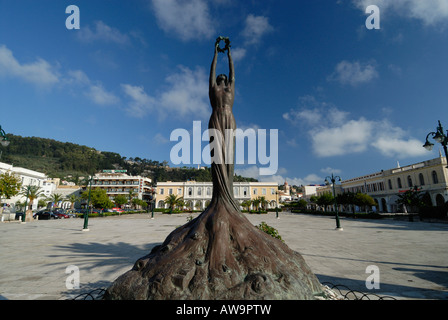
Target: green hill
(70, 161)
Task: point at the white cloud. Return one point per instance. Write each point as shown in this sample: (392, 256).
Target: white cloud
(398, 147)
(101, 96)
(160, 139)
(353, 73)
(39, 72)
(280, 178)
(187, 19)
(329, 170)
(95, 91)
(344, 136)
(102, 32)
(140, 103)
(311, 112)
(238, 54)
(186, 94)
(77, 77)
(255, 28)
(351, 137)
(430, 12)
(393, 142)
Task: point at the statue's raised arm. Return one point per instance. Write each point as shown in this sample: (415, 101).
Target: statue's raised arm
(212, 79)
(231, 69)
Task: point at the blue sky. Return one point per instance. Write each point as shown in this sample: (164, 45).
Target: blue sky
(344, 99)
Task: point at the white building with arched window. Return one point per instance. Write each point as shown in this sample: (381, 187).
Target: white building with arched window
(430, 177)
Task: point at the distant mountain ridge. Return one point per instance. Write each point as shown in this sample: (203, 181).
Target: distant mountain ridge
(70, 161)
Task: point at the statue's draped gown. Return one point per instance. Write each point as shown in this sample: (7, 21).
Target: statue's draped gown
(222, 165)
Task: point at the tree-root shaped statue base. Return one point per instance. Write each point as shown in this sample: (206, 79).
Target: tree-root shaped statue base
(219, 255)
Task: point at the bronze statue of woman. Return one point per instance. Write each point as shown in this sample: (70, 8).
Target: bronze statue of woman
(222, 95)
(220, 254)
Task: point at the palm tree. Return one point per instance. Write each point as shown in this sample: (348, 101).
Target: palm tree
(263, 202)
(72, 199)
(173, 201)
(246, 204)
(55, 198)
(256, 203)
(31, 193)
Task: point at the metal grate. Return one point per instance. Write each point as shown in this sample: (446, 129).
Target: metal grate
(339, 292)
(346, 293)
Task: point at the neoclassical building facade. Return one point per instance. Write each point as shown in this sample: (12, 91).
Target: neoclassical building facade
(197, 195)
(429, 177)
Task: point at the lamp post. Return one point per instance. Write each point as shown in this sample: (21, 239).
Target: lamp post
(26, 203)
(439, 137)
(276, 204)
(86, 215)
(3, 138)
(153, 202)
(333, 180)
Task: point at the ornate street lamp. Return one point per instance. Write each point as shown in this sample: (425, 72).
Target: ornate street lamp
(86, 214)
(276, 204)
(439, 137)
(333, 180)
(153, 202)
(3, 138)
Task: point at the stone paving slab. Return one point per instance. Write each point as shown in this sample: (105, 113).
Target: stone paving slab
(411, 257)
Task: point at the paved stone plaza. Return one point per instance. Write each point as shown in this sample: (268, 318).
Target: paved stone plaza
(412, 257)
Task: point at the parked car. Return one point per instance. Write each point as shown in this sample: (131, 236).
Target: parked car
(45, 215)
(61, 215)
(118, 210)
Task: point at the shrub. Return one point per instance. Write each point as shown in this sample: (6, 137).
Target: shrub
(263, 226)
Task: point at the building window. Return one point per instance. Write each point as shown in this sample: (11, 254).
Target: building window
(161, 191)
(263, 191)
(245, 191)
(422, 179)
(435, 179)
(255, 191)
(399, 183)
(272, 191)
(235, 191)
(199, 191)
(170, 191)
(190, 191)
(179, 191)
(409, 182)
(390, 184)
(209, 191)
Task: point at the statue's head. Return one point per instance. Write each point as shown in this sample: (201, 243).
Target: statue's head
(220, 78)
